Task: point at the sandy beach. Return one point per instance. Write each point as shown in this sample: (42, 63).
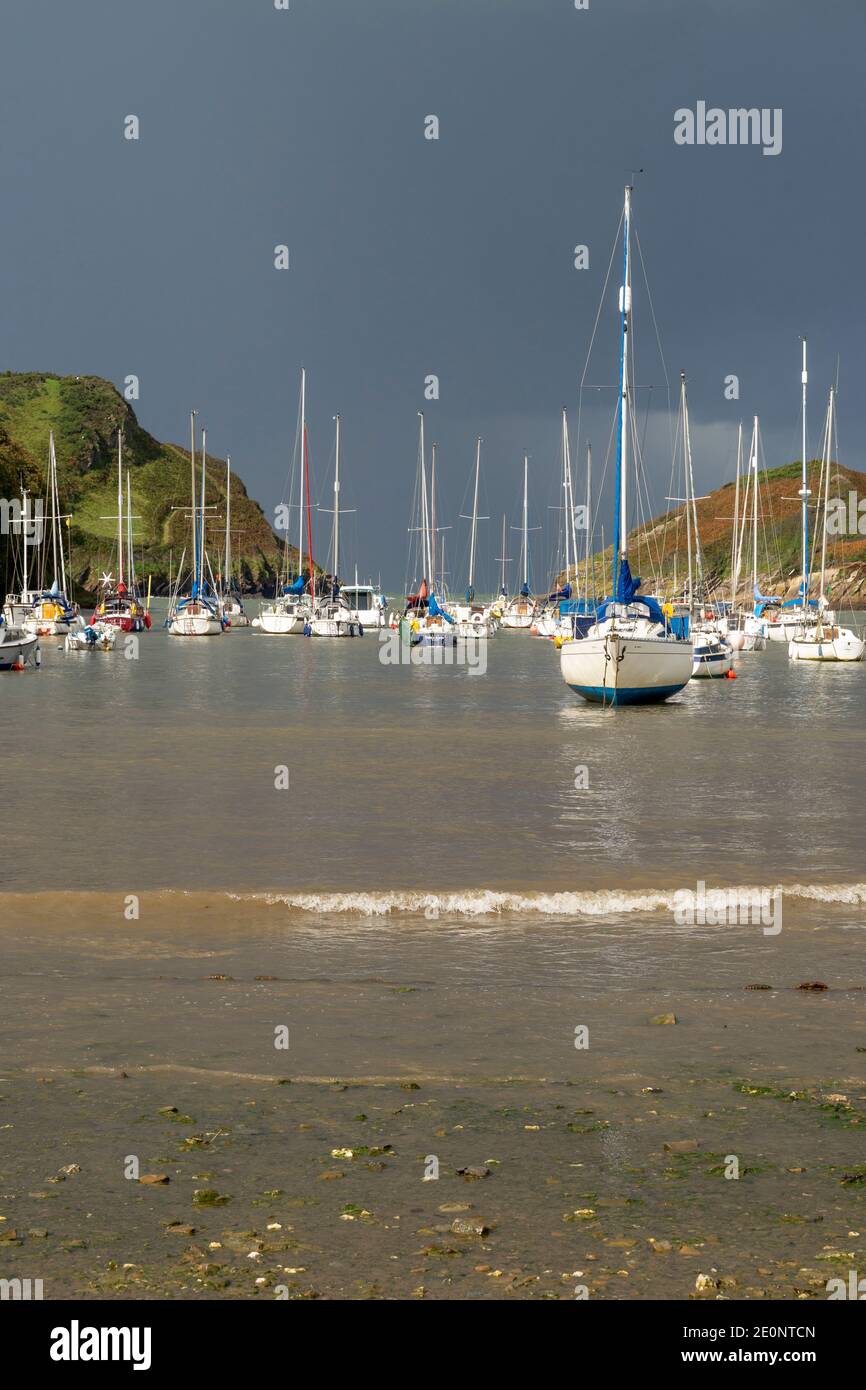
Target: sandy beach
(229, 1100)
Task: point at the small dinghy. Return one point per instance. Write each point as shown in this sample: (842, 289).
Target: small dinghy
(92, 637)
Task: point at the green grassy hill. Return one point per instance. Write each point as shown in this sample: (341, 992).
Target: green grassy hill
(84, 413)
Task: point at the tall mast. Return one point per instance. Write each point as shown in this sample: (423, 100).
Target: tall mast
(25, 558)
(337, 503)
(569, 515)
(474, 517)
(804, 491)
(425, 518)
(203, 499)
(192, 415)
(303, 477)
(687, 470)
(525, 520)
(566, 490)
(120, 540)
(52, 485)
(130, 565)
(735, 545)
(828, 454)
(59, 531)
(588, 515)
(755, 506)
(433, 517)
(621, 540)
(227, 559)
(503, 557)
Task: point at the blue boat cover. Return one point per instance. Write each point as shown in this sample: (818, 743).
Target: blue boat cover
(563, 593)
(626, 591)
(435, 611)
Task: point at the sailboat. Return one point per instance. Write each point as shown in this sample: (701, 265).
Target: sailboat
(44, 610)
(333, 616)
(787, 618)
(713, 656)
(426, 622)
(749, 624)
(120, 605)
(197, 613)
(549, 621)
(519, 613)
(824, 639)
(291, 610)
(471, 618)
(229, 601)
(731, 624)
(497, 606)
(628, 656)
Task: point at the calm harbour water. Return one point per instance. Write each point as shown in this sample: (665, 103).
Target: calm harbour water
(160, 772)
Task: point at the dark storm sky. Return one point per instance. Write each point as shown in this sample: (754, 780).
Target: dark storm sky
(410, 256)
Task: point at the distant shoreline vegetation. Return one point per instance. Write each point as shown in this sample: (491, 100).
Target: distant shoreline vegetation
(85, 412)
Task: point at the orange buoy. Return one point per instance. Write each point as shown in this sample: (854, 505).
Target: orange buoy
(730, 675)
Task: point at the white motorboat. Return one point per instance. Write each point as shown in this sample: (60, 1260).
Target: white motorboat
(18, 648)
(367, 603)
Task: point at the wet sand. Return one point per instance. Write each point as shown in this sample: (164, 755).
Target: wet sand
(412, 1040)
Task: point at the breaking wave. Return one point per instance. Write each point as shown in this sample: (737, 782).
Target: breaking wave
(488, 902)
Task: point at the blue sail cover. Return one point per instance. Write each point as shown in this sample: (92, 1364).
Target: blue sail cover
(297, 587)
(626, 591)
(563, 593)
(435, 611)
(763, 601)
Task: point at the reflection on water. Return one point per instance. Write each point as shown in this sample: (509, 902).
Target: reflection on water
(161, 772)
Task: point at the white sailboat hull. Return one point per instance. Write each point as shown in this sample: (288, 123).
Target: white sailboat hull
(477, 626)
(284, 622)
(619, 668)
(185, 624)
(518, 617)
(336, 627)
(712, 662)
(835, 644)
